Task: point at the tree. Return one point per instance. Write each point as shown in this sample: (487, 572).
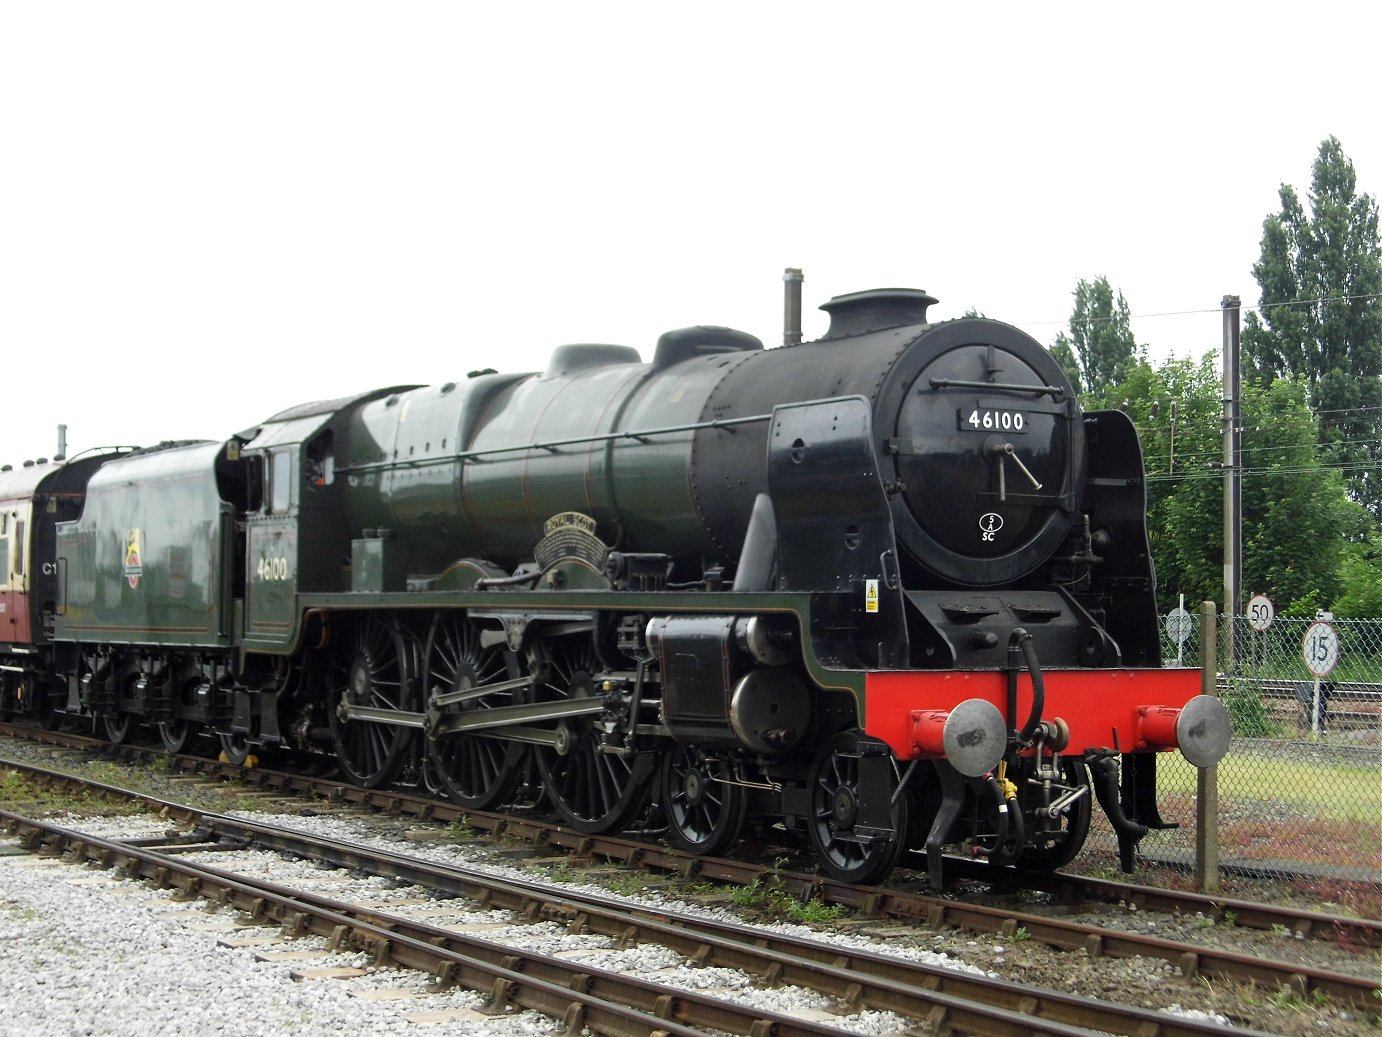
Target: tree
(1100, 350)
(1176, 408)
(1361, 576)
(1298, 520)
(1321, 316)
(1297, 514)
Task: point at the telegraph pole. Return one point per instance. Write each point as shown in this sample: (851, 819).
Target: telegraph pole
(1233, 481)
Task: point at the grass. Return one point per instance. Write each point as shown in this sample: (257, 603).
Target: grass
(765, 900)
(16, 790)
(1337, 791)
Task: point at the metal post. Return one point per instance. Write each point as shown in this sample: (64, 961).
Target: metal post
(1207, 780)
(1233, 489)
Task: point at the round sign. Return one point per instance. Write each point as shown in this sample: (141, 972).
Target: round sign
(1179, 624)
(1261, 612)
(1320, 649)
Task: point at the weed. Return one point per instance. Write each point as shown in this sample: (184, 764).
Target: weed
(812, 912)
(460, 831)
(1292, 1000)
(627, 883)
(1019, 935)
(751, 896)
(768, 900)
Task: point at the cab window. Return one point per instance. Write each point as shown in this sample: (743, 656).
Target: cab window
(280, 493)
(320, 463)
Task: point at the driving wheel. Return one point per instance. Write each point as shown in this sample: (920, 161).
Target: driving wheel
(475, 770)
(595, 790)
(369, 668)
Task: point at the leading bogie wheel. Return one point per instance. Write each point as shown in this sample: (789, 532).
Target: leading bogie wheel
(844, 852)
(704, 805)
(1072, 827)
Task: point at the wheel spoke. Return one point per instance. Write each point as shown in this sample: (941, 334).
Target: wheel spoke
(836, 802)
(594, 790)
(705, 811)
(475, 770)
(370, 669)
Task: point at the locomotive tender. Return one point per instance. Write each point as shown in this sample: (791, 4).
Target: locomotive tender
(891, 589)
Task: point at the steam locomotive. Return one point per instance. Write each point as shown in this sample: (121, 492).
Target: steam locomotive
(890, 589)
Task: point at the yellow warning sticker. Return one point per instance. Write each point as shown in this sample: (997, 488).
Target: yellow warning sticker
(870, 595)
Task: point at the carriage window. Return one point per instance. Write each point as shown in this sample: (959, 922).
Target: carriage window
(19, 548)
(280, 482)
(5, 549)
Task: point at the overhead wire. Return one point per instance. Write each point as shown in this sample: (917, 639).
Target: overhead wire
(1261, 308)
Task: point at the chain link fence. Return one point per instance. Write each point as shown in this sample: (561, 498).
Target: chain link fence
(1300, 791)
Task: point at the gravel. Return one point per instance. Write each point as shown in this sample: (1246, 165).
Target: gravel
(155, 965)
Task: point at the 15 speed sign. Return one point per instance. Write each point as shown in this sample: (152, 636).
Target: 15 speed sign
(1320, 649)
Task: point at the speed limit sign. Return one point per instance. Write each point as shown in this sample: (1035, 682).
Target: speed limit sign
(1261, 612)
(1320, 649)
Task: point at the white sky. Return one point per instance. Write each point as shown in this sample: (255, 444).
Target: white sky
(210, 212)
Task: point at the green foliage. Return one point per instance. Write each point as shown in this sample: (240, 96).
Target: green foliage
(460, 830)
(1321, 320)
(812, 912)
(1298, 519)
(1249, 716)
(1100, 350)
(1360, 578)
(564, 871)
(1297, 514)
(627, 883)
(767, 899)
(1176, 408)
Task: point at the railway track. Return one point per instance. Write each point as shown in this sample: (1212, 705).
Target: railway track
(937, 913)
(1353, 705)
(578, 994)
(651, 855)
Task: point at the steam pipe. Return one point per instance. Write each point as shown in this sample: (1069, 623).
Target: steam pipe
(791, 307)
(1020, 642)
(1104, 769)
(1001, 837)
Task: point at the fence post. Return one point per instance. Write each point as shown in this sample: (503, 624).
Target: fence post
(1207, 778)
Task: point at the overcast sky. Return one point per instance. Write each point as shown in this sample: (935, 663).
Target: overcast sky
(211, 212)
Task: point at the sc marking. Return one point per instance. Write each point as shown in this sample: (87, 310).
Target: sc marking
(989, 525)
